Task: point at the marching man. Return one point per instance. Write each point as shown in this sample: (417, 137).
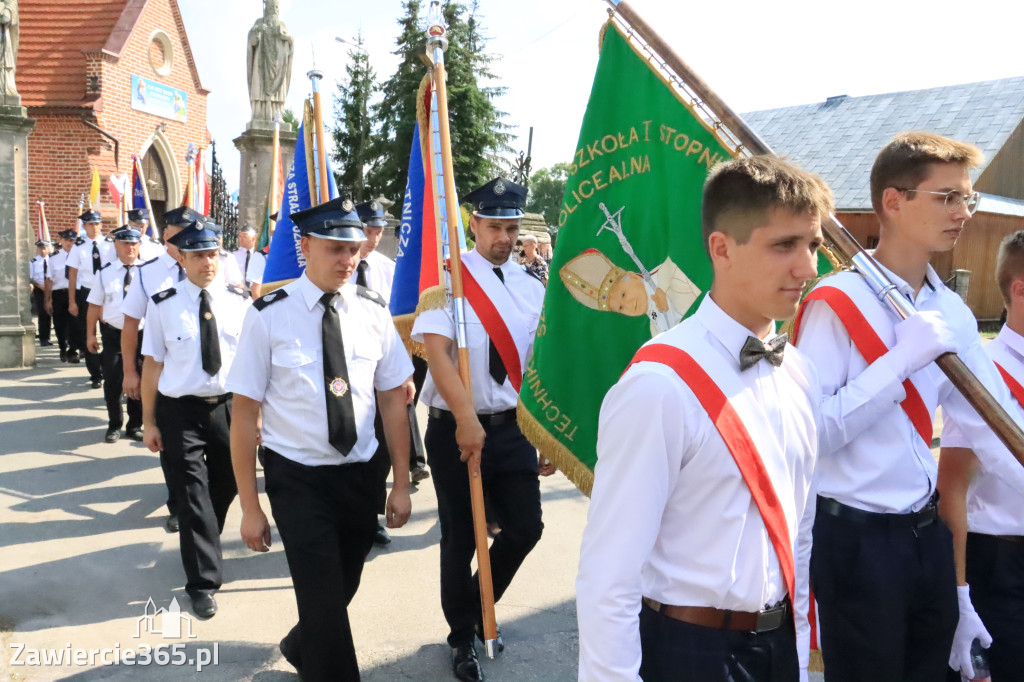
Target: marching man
(706, 449)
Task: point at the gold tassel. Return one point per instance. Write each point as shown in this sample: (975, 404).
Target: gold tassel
(575, 470)
(817, 664)
(433, 298)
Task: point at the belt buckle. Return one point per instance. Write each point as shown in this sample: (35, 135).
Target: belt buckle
(770, 619)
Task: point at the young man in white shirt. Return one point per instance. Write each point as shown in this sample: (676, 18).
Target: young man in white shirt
(706, 448)
(90, 254)
(251, 262)
(882, 564)
(983, 513)
(56, 298)
(38, 271)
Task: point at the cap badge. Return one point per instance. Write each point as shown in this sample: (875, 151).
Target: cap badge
(339, 387)
(347, 205)
(499, 187)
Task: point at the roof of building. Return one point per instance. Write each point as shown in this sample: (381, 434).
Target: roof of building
(839, 138)
(56, 36)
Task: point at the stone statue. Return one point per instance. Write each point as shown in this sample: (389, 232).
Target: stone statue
(269, 64)
(8, 46)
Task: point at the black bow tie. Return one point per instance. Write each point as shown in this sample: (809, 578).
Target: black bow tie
(755, 349)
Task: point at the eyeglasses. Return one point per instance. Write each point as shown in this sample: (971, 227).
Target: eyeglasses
(954, 201)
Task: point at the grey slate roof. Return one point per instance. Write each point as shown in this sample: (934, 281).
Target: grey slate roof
(839, 138)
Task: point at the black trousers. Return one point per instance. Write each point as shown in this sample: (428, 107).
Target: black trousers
(887, 606)
(419, 375)
(327, 518)
(673, 650)
(995, 572)
(512, 488)
(113, 370)
(198, 452)
(93, 362)
(62, 320)
(381, 461)
(43, 319)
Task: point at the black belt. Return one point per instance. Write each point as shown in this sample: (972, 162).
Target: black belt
(204, 399)
(485, 419)
(109, 327)
(1015, 540)
(919, 519)
(705, 616)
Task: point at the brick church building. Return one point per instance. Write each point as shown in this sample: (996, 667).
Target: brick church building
(106, 80)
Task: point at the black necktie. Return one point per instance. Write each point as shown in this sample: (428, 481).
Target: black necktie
(755, 349)
(208, 338)
(181, 272)
(46, 267)
(127, 279)
(341, 416)
(494, 363)
(245, 273)
(361, 273)
(96, 258)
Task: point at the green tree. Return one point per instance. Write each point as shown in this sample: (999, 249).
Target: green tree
(547, 186)
(353, 153)
(288, 117)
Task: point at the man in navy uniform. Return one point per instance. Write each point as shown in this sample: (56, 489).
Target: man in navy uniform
(85, 260)
(38, 271)
(193, 327)
(311, 356)
(56, 298)
(105, 299)
(484, 426)
(149, 246)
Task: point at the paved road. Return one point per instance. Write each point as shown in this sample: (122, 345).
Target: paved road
(82, 549)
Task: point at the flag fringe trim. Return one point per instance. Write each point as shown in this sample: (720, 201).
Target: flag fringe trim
(404, 323)
(432, 298)
(576, 471)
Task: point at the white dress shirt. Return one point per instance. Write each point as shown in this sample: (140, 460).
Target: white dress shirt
(81, 258)
(993, 507)
(488, 397)
(257, 264)
(671, 517)
(872, 457)
(229, 270)
(56, 270)
(150, 249)
(172, 337)
(108, 292)
(280, 363)
(163, 272)
(38, 269)
(380, 274)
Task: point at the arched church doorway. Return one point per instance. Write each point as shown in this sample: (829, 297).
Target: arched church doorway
(156, 183)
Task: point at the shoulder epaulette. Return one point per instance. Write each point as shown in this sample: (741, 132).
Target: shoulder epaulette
(106, 265)
(108, 238)
(239, 290)
(372, 295)
(223, 253)
(151, 260)
(79, 241)
(272, 297)
(234, 249)
(164, 295)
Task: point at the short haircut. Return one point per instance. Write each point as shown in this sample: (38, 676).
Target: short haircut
(907, 160)
(740, 193)
(529, 239)
(1010, 263)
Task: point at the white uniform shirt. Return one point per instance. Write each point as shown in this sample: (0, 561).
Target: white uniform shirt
(671, 517)
(150, 249)
(872, 457)
(81, 258)
(380, 274)
(488, 397)
(38, 270)
(993, 507)
(257, 264)
(55, 273)
(280, 363)
(154, 276)
(108, 290)
(172, 337)
(229, 270)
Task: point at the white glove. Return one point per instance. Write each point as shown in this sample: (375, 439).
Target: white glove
(968, 629)
(921, 338)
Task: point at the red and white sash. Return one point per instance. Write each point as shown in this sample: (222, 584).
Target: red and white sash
(861, 323)
(731, 409)
(1015, 388)
(504, 322)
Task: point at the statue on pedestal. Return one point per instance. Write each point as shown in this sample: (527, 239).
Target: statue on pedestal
(8, 46)
(269, 64)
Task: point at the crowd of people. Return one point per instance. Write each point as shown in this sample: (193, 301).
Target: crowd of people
(754, 494)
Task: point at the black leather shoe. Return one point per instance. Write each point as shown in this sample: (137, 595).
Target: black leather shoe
(465, 664)
(113, 435)
(419, 474)
(135, 434)
(74, 358)
(499, 643)
(46, 343)
(382, 537)
(171, 524)
(204, 605)
(96, 383)
(63, 356)
(291, 656)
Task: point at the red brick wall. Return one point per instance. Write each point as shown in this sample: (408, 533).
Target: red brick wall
(62, 150)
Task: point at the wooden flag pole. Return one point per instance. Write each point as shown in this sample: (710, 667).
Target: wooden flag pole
(844, 243)
(275, 168)
(436, 44)
(44, 228)
(318, 133)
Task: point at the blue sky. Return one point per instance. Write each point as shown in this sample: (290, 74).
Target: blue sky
(760, 55)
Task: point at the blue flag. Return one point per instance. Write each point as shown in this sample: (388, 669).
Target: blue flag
(285, 261)
(405, 291)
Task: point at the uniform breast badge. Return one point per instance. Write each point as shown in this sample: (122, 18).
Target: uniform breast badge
(339, 387)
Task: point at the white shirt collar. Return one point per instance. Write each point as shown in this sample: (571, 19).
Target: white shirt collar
(730, 333)
(311, 293)
(191, 289)
(1011, 340)
(931, 278)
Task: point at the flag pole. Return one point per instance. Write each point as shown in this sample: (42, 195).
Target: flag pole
(145, 195)
(78, 219)
(44, 228)
(436, 45)
(275, 168)
(843, 242)
(190, 176)
(318, 133)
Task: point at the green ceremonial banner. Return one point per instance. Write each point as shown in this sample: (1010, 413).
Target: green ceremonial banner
(630, 261)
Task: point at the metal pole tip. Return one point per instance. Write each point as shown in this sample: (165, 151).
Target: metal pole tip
(491, 645)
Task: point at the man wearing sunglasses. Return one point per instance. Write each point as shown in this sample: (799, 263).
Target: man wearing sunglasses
(889, 603)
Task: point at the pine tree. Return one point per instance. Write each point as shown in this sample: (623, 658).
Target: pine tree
(351, 130)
